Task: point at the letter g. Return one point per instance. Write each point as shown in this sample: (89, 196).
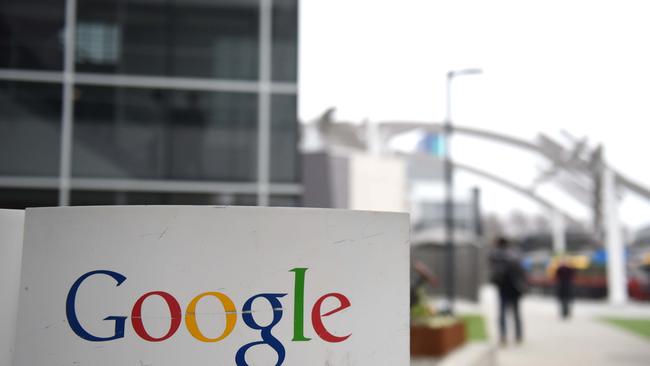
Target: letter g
(72, 314)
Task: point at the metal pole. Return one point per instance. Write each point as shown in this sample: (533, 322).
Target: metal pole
(478, 246)
(65, 164)
(558, 226)
(264, 103)
(448, 172)
(476, 208)
(616, 278)
(450, 283)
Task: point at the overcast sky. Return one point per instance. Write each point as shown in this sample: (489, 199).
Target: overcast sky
(581, 66)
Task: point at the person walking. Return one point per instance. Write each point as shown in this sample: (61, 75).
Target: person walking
(509, 276)
(564, 276)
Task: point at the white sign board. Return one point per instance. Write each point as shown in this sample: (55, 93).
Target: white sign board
(213, 286)
(11, 244)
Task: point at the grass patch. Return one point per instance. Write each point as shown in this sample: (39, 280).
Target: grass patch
(637, 326)
(475, 327)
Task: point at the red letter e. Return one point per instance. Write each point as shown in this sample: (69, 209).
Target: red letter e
(316, 317)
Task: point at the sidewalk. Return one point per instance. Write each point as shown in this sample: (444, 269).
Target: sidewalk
(582, 340)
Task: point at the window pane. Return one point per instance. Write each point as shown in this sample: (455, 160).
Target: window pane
(284, 201)
(284, 139)
(191, 199)
(191, 38)
(22, 198)
(242, 200)
(30, 128)
(285, 40)
(31, 34)
(186, 135)
(90, 198)
(94, 198)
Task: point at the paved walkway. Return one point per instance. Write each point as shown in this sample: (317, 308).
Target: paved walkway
(582, 340)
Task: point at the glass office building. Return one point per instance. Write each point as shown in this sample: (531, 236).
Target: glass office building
(148, 102)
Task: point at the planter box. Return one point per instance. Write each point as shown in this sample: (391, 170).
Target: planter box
(436, 342)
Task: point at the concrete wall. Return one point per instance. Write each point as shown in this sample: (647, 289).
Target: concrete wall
(325, 180)
(316, 180)
(377, 183)
(354, 181)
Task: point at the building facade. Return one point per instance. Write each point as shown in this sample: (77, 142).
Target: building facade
(148, 102)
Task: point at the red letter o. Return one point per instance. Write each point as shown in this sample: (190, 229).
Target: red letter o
(174, 311)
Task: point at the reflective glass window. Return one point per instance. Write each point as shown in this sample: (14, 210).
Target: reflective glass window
(284, 201)
(285, 40)
(189, 38)
(19, 199)
(91, 198)
(31, 34)
(284, 138)
(163, 134)
(30, 128)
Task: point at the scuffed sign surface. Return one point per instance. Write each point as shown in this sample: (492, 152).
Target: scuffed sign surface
(201, 285)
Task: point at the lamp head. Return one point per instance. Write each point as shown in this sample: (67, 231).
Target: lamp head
(475, 71)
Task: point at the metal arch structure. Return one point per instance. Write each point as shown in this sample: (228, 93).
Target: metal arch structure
(507, 184)
(391, 128)
(602, 180)
(605, 182)
(512, 186)
(558, 216)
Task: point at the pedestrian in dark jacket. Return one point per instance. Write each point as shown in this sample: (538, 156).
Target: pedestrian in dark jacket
(509, 277)
(564, 276)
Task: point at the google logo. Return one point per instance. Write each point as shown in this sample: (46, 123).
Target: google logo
(192, 325)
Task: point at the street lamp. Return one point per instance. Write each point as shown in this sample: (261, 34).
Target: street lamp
(450, 76)
(449, 191)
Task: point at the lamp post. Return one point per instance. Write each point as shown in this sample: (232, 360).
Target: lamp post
(450, 284)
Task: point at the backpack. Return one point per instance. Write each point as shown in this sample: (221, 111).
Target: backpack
(508, 273)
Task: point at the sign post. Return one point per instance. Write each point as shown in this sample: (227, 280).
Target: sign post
(173, 285)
